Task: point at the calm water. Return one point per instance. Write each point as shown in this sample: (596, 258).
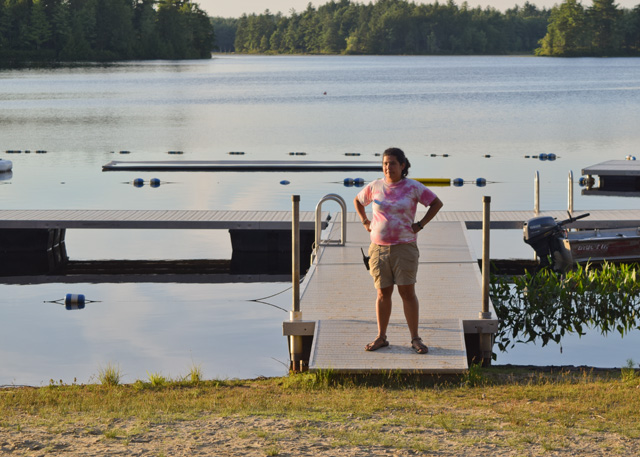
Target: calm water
(583, 110)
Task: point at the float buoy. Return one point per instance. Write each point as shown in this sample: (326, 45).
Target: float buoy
(458, 182)
(358, 182)
(551, 156)
(284, 182)
(74, 301)
(481, 182)
(348, 182)
(434, 181)
(125, 152)
(138, 182)
(236, 153)
(154, 182)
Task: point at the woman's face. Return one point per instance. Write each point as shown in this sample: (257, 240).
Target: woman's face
(392, 168)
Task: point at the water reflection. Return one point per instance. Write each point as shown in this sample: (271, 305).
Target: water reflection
(144, 328)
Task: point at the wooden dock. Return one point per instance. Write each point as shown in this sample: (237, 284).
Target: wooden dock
(266, 220)
(153, 219)
(615, 178)
(243, 165)
(339, 297)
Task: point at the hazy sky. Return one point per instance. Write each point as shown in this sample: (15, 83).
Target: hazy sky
(235, 8)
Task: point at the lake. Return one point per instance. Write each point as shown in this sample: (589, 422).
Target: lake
(455, 117)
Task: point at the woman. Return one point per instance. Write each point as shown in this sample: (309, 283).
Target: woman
(393, 251)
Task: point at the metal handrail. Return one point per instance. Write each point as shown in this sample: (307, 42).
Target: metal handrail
(318, 227)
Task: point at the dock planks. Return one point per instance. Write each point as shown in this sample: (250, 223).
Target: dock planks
(267, 220)
(338, 294)
(243, 165)
(614, 168)
(154, 219)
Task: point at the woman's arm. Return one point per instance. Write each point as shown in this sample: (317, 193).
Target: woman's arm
(434, 207)
(362, 214)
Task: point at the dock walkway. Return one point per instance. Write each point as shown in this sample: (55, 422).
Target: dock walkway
(338, 294)
(153, 219)
(265, 220)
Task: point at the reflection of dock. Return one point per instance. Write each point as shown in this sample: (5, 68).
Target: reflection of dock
(200, 271)
(619, 178)
(243, 165)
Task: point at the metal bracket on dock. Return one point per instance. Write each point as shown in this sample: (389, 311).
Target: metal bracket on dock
(318, 227)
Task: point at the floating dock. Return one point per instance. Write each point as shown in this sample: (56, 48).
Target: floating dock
(338, 298)
(615, 178)
(242, 165)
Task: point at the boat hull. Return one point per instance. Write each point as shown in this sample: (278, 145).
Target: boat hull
(599, 245)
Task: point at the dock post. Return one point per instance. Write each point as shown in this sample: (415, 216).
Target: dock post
(295, 341)
(536, 193)
(570, 190)
(486, 343)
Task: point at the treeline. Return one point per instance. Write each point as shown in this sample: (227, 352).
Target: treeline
(103, 30)
(600, 30)
(393, 27)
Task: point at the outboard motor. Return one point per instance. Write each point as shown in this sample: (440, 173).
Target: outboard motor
(541, 234)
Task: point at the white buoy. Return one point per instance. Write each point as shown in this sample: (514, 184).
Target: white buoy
(74, 301)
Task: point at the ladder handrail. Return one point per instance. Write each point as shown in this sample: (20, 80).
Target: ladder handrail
(318, 229)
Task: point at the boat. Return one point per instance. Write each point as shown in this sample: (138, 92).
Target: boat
(563, 248)
(5, 165)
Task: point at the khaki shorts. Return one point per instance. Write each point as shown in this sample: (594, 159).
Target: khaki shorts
(397, 264)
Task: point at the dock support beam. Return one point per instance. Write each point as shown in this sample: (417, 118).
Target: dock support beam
(295, 341)
(486, 339)
(536, 193)
(570, 193)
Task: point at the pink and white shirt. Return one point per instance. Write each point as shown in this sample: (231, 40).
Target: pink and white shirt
(394, 209)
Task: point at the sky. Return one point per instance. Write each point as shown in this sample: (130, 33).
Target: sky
(235, 8)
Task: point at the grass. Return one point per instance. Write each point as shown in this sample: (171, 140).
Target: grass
(497, 407)
(111, 375)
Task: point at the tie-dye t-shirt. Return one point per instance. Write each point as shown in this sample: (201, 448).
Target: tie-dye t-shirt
(394, 209)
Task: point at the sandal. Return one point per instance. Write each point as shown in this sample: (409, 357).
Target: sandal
(379, 342)
(418, 346)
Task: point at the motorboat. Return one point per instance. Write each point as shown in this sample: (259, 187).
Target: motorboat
(563, 247)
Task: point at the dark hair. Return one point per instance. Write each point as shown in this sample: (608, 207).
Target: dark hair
(402, 159)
